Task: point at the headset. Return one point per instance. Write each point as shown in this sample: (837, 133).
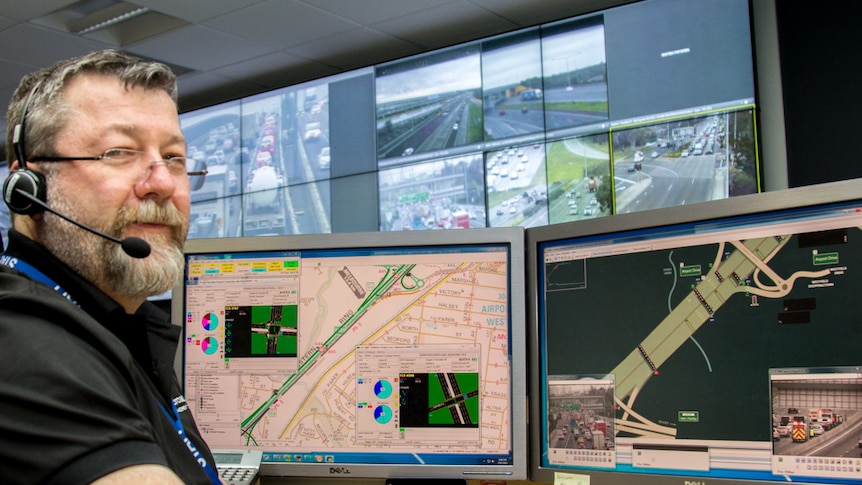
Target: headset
(23, 179)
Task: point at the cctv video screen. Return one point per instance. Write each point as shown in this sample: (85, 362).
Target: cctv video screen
(645, 105)
(642, 106)
(721, 348)
(357, 355)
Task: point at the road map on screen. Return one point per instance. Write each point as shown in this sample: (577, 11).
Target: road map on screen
(345, 347)
(688, 326)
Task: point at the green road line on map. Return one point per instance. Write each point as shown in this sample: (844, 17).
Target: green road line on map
(382, 287)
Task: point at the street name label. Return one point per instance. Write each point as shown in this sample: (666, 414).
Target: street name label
(825, 258)
(693, 270)
(688, 416)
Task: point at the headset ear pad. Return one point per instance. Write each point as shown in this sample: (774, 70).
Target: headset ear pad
(29, 182)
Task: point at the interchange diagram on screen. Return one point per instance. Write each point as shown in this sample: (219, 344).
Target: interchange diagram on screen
(687, 328)
(384, 351)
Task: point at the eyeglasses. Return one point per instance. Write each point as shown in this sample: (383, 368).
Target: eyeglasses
(125, 158)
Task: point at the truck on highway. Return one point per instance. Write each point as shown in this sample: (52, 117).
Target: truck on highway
(531, 94)
(264, 212)
(799, 430)
(598, 440)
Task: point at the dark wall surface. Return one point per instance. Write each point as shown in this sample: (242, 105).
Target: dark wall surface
(821, 67)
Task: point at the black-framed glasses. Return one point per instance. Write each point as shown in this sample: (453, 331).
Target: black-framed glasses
(177, 166)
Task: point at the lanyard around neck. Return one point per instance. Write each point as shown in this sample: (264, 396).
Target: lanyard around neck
(35, 274)
(175, 419)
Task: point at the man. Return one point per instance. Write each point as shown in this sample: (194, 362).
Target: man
(87, 388)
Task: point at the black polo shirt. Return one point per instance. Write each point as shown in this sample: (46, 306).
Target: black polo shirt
(84, 387)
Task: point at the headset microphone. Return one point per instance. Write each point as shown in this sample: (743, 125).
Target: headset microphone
(133, 246)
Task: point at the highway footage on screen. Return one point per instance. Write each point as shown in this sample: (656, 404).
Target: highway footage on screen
(310, 354)
(672, 340)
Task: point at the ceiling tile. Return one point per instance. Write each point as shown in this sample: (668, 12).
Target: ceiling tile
(22, 10)
(202, 88)
(446, 25)
(270, 70)
(281, 24)
(196, 12)
(6, 22)
(43, 46)
(355, 48)
(10, 76)
(199, 48)
(368, 13)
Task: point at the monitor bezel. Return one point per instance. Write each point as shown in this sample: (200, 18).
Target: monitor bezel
(795, 198)
(511, 236)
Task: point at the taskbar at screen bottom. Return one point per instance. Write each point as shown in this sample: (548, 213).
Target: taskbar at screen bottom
(742, 461)
(325, 457)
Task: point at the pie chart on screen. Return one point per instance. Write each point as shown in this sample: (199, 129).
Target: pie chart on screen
(209, 345)
(383, 414)
(210, 321)
(382, 389)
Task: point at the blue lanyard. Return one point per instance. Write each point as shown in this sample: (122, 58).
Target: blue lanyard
(178, 425)
(41, 277)
(24, 267)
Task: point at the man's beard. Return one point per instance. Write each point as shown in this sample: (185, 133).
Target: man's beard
(103, 262)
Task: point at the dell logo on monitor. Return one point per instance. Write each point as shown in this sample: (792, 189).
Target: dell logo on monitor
(339, 470)
(693, 482)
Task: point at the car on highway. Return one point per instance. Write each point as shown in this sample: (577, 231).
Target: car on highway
(784, 430)
(513, 210)
(323, 158)
(817, 429)
(263, 158)
(408, 151)
(266, 143)
(312, 130)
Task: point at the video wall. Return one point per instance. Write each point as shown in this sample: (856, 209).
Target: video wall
(642, 106)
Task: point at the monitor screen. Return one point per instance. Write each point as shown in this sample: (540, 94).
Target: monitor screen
(717, 340)
(361, 355)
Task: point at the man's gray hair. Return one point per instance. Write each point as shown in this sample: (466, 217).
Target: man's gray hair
(41, 95)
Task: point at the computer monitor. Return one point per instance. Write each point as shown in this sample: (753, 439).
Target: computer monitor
(713, 341)
(360, 355)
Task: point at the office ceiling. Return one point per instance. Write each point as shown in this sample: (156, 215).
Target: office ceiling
(227, 49)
